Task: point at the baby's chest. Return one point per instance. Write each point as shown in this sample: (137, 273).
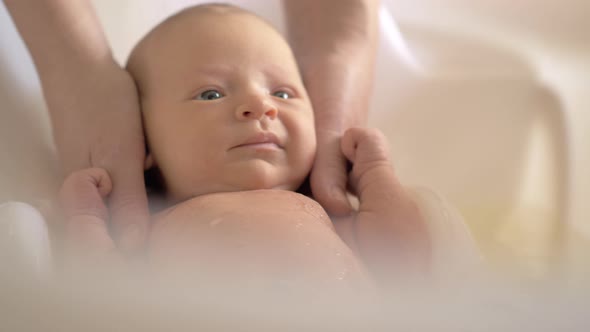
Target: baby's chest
(244, 219)
(267, 235)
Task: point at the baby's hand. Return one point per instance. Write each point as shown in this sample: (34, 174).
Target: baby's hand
(368, 151)
(86, 226)
(390, 233)
(83, 193)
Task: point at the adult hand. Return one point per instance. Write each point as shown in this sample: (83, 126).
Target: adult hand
(335, 112)
(106, 132)
(335, 45)
(92, 102)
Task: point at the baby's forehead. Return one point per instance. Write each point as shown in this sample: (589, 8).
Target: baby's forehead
(196, 20)
(211, 26)
(216, 13)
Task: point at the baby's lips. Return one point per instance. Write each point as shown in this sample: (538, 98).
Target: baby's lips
(260, 138)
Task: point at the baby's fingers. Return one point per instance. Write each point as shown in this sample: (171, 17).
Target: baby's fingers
(83, 192)
(366, 149)
(349, 144)
(365, 145)
(86, 230)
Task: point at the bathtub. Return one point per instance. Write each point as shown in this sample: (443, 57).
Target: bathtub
(485, 101)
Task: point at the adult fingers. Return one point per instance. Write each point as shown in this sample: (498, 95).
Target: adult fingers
(329, 177)
(129, 209)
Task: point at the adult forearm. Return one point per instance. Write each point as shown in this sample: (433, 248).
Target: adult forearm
(60, 33)
(331, 27)
(335, 44)
(68, 48)
(76, 69)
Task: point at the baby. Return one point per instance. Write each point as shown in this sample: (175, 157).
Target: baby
(230, 131)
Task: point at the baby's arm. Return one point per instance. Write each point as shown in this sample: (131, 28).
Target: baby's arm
(86, 234)
(399, 231)
(390, 234)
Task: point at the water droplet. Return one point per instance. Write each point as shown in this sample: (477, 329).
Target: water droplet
(307, 244)
(310, 209)
(215, 222)
(338, 254)
(342, 274)
(298, 225)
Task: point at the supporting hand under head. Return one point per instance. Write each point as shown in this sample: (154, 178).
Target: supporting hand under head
(337, 66)
(92, 103)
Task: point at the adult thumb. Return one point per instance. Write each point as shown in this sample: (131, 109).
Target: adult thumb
(328, 180)
(129, 211)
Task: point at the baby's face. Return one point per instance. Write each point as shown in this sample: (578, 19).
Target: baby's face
(224, 107)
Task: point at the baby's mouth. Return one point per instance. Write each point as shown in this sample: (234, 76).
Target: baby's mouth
(262, 140)
(260, 146)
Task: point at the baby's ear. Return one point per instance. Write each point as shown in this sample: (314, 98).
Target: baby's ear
(149, 162)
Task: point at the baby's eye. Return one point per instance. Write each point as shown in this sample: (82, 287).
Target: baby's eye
(282, 94)
(209, 95)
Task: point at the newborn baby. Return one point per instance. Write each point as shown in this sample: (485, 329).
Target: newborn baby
(230, 132)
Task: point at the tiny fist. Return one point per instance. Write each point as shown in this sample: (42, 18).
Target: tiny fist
(362, 145)
(83, 192)
(90, 179)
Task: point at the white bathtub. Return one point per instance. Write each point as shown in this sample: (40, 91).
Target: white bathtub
(485, 101)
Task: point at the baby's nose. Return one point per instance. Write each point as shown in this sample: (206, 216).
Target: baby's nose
(255, 108)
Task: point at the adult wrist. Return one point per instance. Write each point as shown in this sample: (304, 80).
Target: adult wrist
(339, 89)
